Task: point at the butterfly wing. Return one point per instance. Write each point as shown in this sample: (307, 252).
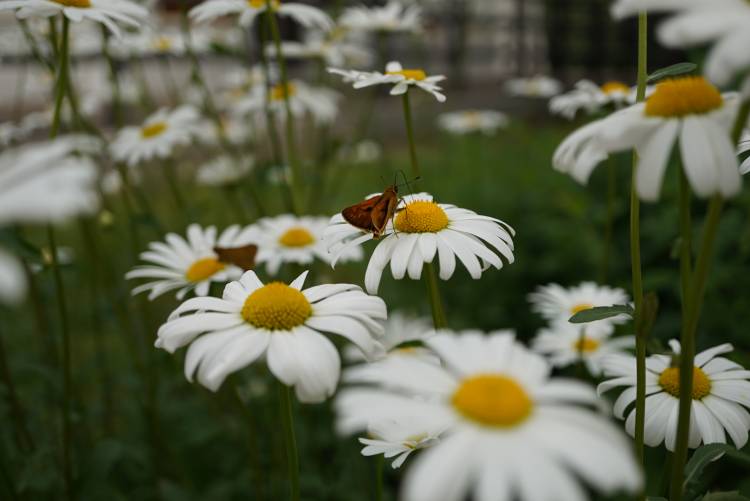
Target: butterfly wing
(360, 215)
(243, 257)
(384, 210)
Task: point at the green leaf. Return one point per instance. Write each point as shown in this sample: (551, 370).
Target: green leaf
(701, 458)
(671, 71)
(600, 313)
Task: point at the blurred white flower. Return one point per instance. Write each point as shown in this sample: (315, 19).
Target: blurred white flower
(719, 398)
(565, 344)
(400, 329)
(557, 303)
(392, 17)
(224, 170)
(12, 279)
(399, 438)
(471, 121)
(291, 239)
(688, 111)
(283, 322)
(162, 40)
(107, 12)
(423, 230)
(332, 50)
(189, 264)
(249, 10)
(540, 86)
(722, 23)
(395, 75)
(494, 398)
(365, 151)
(319, 102)
(592, 98)
(158, 136)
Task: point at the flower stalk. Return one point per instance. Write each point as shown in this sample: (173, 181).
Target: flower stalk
(290, 441)
(635, 258)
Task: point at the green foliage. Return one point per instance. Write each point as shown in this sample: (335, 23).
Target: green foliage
(601, 313)
(672, 71)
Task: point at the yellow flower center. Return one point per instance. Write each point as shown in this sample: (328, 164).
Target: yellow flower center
(276, 307)
(418, 75)
(421, 217)
(615, 87)
(493, 400)
(670, 381)
(277, 91)
(162, 44)
(203, 269)
(581, 307)
(297, 237)
(153, 130)
(259, 4)
(683, 96)
(586, 345)
(81, 4)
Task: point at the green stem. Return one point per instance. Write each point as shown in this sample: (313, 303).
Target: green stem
(686, 240)
(17, 412)
(635, 258)
(113, 78)
(287, 421)
(291, 145)
(62, 78)
(410, 134)
(433, 290)
(170, 174)
(691, 315)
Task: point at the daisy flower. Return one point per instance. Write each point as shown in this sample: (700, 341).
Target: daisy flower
(400, 330)
(743, 148)
(591, 98)
(506, 425)
(249, 10)
(687, 111)
(422, 230)
(401, 79)
(224, 171)
(566, 344)
(538, 86)
(291, 239)
(319, 102)
(557, 304)
(399, 438)
(722, 23)
(721, 393)
(332, 50)
(107, 12)
(188, 264)
(471, 121)
(158, 136)
(392, 17)
(12, 279)
(283, 322)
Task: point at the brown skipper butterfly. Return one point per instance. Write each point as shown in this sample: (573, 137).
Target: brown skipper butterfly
(243, 257)
(373, 214)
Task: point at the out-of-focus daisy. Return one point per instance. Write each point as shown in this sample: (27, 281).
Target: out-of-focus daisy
(249, 10)
(743, 148)
(332, 49)
(188, 264)
(158, 136)
(721, 393)
(224, 171)
(291, 239)
(395, 74)
(540, 86)
(47, 182)
(392, 17)
(423, 230)
(472, 121)
(688, 111)
(365, 151)
(557, 303)
(697, 22)
(399, 438)
(283, 322)
(12, 279)
(565, 344)
(107, 12)
(162, 40)
(493, 396)
(319, 102)
(401, 333)
(591, 98)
